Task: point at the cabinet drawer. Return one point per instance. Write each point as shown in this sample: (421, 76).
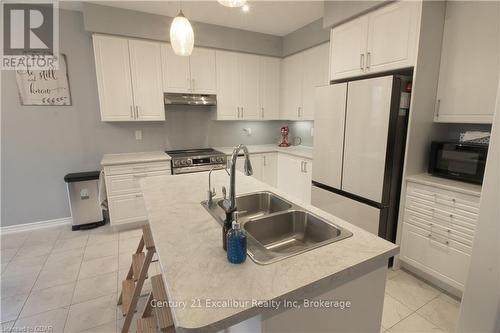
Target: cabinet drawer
(129, 183)
(441, 229)
(127, 208)
(465, 201)
(136, 168)
(433, 256)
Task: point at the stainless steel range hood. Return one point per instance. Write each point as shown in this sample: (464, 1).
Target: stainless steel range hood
(190, 99)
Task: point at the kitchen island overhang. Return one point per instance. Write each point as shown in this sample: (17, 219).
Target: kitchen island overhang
(196, 272)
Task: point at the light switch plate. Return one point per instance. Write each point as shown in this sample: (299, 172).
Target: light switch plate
(138, 135)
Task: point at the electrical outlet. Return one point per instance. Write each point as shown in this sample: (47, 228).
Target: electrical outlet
(138, 135)
(247, 131)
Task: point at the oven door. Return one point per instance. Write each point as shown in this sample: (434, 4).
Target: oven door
(465, 162)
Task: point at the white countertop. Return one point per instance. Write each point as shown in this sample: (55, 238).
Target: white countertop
(446, 184)
(127, 158)
(299, 151)
(195, 267)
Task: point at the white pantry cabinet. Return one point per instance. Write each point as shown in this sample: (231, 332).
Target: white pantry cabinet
(128, 79)
(382, 40)
(301, 74)
(468, 74)
(193, 74)
(294, 176)
(438, 232)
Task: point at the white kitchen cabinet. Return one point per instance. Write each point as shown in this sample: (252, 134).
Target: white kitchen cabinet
(468, 74)
(125, 201)
(301, 74)
(393, 36)
(438, 232)
(348, 48)
(270, 72)
(315, 74)
(291, 86)
(228, 86)
(294, 176)
(145, 64)
(269, 168)
(113, 78)
(249, 76)
(382, 40)
(129, 79)
(193, 74)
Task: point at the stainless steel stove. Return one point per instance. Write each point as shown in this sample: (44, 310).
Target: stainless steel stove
(196, 160)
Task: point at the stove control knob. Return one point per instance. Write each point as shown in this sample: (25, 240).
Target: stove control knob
(189, 162)
(183, 162)
(219, 159)
(176, 163)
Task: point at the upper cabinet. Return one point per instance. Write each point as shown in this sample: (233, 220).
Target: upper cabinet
(468, 75)
(247, 86)
(301, 74)
(193, 74)
(382, 40)
(128, 79)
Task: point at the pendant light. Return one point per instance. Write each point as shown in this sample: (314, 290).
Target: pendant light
(232, 3)
(181, 35)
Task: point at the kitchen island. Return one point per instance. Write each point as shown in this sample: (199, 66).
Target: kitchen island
(336, 287)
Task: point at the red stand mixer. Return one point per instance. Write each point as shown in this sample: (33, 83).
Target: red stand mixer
(284, 139)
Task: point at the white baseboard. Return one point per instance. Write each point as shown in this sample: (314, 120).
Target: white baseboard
(35, 225)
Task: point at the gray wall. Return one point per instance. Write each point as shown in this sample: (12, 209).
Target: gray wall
(308, 36)
(40, 144)
(117, 21)
(337, 12)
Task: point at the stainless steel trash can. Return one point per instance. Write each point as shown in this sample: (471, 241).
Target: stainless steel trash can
(83, 193)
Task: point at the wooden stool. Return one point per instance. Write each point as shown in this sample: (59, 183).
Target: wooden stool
(137, 274)
(160, 315)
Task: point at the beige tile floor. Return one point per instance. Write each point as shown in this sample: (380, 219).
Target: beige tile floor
(70, 281)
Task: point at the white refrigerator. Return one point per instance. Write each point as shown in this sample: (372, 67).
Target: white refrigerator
(359, 142)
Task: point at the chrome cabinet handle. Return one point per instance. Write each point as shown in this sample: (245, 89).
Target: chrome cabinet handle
(264, 158)
(238, 116)
(190, 88)
(368, 60)
(242, 114)
(262, 112)
(192, 85)
(136, 112)
(361, 60)
(305, 167)
(131, 112)
(301, 166)
(438, 105)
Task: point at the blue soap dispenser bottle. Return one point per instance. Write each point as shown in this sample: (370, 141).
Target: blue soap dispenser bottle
(236, 243)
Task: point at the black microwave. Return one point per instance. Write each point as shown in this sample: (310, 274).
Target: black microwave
(460, 161)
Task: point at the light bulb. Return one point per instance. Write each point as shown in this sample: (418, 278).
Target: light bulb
(181, 35)
(232, 3)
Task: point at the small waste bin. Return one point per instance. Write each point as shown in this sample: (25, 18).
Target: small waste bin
(83, 193)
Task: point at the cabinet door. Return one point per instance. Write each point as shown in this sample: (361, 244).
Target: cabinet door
(270, 88)
(329, 123)
(113, 78)
(203, 71)
(290, 176)
(228, 85)
(469, 69)
(366, 132)
(270, 168)
(291, 87)
(175, 71)
(348, 48)
(145, 64)
(127, 208)
(307, 176)
(392, 36)
(249, 76)
(315, 74)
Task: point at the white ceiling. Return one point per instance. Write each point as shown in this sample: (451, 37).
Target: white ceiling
(271, 17)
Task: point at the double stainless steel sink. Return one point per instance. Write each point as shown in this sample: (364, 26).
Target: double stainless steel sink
(276, 228)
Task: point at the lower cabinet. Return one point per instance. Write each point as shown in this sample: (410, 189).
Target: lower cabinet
(125, 201)
(438, 232)
(264, 167)
(295, 176)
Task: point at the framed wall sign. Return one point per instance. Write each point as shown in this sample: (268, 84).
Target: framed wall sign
(44, 87)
